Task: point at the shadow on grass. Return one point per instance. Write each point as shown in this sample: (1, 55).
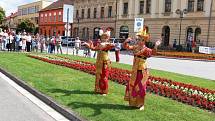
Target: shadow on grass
(69, 92)
(99, 107)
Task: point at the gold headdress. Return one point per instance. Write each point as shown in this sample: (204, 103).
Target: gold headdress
(104, 34)
(143, 34)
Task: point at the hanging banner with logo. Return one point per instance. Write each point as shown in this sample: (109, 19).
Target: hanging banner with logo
(138, 24)
(68, 13)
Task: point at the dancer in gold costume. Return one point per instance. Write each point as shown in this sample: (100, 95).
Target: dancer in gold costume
(136, 88)
(102, 62)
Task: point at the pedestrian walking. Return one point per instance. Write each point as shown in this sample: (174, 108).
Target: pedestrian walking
(117, 50)
(59, 44)
(77, 45)
(28, 42)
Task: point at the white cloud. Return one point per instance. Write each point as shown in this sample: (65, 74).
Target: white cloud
(11, 6)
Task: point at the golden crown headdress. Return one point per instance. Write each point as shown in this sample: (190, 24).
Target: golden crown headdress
(144, 34)
(107, 33)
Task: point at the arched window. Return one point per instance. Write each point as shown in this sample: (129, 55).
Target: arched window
(166, 35)
(96, 32)
(197, 34)
(189, 34)
(124, 32)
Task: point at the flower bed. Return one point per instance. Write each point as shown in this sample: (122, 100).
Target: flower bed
(187, 55)
(186, 93)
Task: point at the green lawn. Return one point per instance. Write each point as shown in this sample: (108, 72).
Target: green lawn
(74, 89)
(210, 84)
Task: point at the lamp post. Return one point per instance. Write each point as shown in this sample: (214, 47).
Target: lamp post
(78, 26)
(181, 13)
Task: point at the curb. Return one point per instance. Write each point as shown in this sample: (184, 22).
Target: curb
(204, 60)
(62, 110)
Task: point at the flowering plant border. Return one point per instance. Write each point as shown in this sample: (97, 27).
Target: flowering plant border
(185, 93)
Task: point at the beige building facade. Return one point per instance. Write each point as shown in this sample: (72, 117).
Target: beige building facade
(31, 11)
(11, 21)
(160, 17)
(162, 20)
(92, 15)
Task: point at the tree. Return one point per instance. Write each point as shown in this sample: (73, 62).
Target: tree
(27, 26)
(2, 14)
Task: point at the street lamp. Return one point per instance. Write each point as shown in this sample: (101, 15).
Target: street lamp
(181, 13)
(78, 25)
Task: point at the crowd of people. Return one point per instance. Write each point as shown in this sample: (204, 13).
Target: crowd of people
(26, 42)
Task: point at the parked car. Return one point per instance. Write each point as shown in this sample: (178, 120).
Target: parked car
(64, 40)
(114, 40)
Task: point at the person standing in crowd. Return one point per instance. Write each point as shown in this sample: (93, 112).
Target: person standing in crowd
(174, 44)
(10, 41)
(34, 44)
(42, 42)
(24, 39)
(102, 62)
(1, 39)
(53, 43)
(18, 37)
(73, 47)
(58, 44)
(136, 87)
(77, 45)
(193, 46)
(117, 50)
(28, 42)
(5, 40)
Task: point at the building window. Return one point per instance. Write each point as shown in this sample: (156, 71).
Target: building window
(19, 12)
(95, 13)
(168, 5)
(200, 5)
(77, 14)
(31, 10)
(125, 9)
(148, 6)
(50, 17)
(41, 18)
(110, 11)
(24, 11)
(141, 7)
(45, 18)
(82, 13)
(190, 6)
(55, 17)
(59, 16)
(37, 20)
(36, 9)
(102, 12)
(88, 13)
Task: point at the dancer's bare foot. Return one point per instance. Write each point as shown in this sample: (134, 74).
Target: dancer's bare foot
(142, 107)
(104, 94)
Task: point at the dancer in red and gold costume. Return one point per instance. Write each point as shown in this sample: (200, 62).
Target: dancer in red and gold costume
(136, 88)
(102, 62)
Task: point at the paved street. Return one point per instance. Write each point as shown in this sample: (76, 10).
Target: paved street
(201, 69)
(17, 107)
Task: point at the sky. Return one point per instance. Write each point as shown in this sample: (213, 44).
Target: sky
(11, 6)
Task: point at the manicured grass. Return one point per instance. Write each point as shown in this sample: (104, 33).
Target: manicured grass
(74, 89)
(205, 83)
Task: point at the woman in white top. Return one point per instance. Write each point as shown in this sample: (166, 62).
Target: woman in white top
(77, 44)
(28, 42)
(24, 39)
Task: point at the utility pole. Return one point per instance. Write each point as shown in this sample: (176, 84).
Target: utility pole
(209, 23)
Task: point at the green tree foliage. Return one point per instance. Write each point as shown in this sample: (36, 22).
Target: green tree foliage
(2, 14)
(27, 26)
